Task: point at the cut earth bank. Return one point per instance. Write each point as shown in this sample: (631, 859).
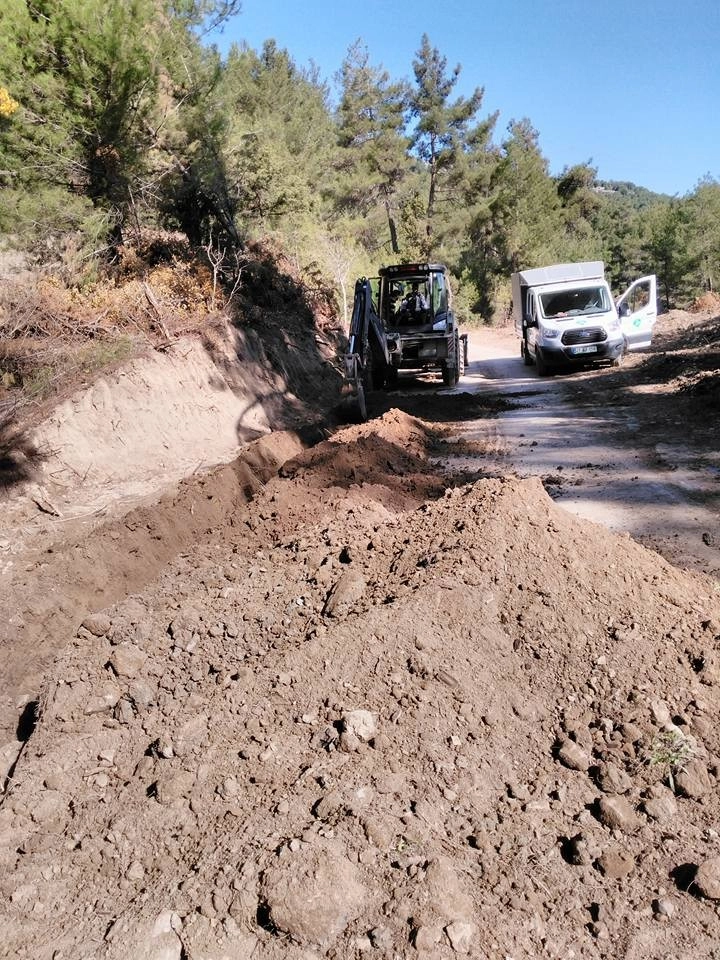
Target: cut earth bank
(360, 717)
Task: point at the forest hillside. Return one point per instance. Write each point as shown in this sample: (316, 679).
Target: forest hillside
(145, 180)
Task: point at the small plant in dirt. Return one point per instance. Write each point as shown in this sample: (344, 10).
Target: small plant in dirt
(671, 751)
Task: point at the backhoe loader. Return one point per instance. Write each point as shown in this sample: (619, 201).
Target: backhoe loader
(401, 320)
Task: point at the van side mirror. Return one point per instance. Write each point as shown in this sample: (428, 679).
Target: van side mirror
(624, 309)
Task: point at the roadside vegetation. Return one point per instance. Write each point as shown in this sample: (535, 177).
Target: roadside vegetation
(141, 173)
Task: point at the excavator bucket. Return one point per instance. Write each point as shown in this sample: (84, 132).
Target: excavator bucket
(353, 404)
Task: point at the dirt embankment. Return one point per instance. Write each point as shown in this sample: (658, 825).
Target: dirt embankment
(376, 719)
(80, 521)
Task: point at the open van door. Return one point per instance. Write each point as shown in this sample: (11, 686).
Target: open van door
(637, 309)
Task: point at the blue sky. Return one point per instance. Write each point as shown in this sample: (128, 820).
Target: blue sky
(632, 86)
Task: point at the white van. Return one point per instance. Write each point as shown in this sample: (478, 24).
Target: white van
(565, 316)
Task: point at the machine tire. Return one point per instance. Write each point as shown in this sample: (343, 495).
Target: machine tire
(460, 359)
(391, 381)
(542, 366)
(525, 353)
(447, 374)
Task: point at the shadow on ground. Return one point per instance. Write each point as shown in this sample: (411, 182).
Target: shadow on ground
(428, 402)
(19, 457)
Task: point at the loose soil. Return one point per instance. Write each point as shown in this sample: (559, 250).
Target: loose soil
(360, 705)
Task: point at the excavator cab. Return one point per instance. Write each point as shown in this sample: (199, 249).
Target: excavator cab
(416, 311)
(401, 320)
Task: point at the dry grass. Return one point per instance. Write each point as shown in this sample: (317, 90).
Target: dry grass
(53, 337)
(56, 337)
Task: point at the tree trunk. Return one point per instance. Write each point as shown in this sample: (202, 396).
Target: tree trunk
(392, 227)
(431, 199)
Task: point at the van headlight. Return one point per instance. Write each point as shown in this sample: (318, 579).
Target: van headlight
(549, 333)
(614, 325)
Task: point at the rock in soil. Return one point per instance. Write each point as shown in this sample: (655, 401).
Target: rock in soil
(707, 878)
(314, 895)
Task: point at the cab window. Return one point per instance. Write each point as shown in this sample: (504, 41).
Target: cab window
(529, 308)
(639, 297)
(439, 294)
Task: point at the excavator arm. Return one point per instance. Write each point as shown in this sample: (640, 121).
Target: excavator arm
(367, 359)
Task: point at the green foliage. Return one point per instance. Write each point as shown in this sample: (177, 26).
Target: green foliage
(93, 78)
(412, 236)
(280, 141)
(443, 131)
(193, 189)
(85, 74)
(618, 226)
(520, 224)
(204, 14)
(116, 115)
(703, 212)
(621, 224)
(64, 230)
(372, 163)
(665, 248)
(580, 205)
(671, 751)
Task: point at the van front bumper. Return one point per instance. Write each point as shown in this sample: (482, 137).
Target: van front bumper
(559, 355)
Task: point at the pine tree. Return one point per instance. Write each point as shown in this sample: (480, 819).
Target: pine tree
(519, 223)
(618, 227)
(703, 209)
(85, 73)
(91, 77)
(373, 161)
(580, 207)
(665, 248)
(442, 126)
(281, 137)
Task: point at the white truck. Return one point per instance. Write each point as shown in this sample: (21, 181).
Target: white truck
(565, 316)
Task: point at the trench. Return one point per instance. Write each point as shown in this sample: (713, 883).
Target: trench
(62, 584)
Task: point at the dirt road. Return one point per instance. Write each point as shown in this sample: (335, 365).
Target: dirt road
(596, 456)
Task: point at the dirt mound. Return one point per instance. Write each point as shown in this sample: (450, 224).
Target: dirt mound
(50, 590)
(708, 303)
(678, 330)
(381, 467)
(341, 734)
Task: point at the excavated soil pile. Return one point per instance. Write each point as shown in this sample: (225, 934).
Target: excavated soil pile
(681, 375)
(479, 727)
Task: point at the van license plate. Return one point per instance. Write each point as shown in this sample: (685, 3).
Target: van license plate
(588, 348)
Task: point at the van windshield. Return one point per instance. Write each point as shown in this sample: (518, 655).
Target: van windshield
(575, 303)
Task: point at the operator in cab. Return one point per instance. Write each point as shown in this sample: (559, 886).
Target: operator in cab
(414, 302)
